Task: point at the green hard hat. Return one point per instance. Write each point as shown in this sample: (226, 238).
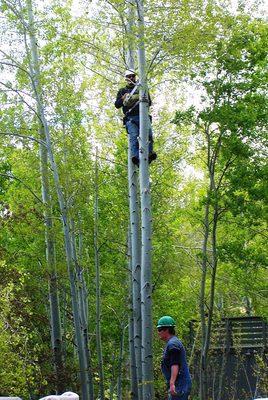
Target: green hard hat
(166, 321)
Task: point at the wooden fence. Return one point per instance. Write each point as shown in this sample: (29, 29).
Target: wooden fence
(237, 358)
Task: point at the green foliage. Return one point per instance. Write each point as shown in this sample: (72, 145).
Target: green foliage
(233, 126)
(184, 117)
(81, 61)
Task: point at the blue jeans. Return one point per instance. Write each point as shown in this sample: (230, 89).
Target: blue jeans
(132, 127)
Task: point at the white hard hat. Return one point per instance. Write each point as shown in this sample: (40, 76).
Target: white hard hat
(129, 72)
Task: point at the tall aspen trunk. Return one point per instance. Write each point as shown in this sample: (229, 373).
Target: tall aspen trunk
(82, 274)
(134, 234)
(82, 302)
(98, 285)
(132, 359)
(35, 74)
(56, 334)
(146, 219)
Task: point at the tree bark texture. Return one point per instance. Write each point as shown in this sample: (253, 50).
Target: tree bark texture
(55, 320)
(82, 306)
(134, 232)
(34, 66)
(146, 219)
(132, 358)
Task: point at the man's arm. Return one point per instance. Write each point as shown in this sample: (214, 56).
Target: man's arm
(174, 374)
(120, 98)
(174, 363)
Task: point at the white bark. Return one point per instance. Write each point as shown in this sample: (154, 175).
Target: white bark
(82, 302)
(55, 320)
(132, 358)
(35, 74)
(146, 219)
(134, 230)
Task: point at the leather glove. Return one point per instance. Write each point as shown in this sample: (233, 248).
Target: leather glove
(129, 102)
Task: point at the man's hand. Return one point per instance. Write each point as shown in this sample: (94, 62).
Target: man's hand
(124, 96)
(172, 389)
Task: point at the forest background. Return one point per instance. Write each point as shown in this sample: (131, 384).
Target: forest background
(207, 72)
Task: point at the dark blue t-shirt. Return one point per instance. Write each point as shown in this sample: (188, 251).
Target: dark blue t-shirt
(174, 354)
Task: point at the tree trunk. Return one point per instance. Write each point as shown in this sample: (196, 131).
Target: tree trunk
(134, 235)
(206, 334)
(98, 287)
(202, 300)
(146, 219)
(120, 363)
(203, 360)
(82, 271)
(56, 335)
(132, 359)
(214, 263)
(35, 74)
(206, 325)
(82, 301)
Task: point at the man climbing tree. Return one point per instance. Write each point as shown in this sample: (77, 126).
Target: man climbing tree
(128, 98)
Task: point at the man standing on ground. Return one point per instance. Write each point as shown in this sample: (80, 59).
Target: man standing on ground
(174, 365)
(128, 98)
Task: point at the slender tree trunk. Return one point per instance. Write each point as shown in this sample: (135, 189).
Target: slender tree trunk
(81, 276)
(207, 334)
(206, 320)
(56, 335)
(132, 358)
(35, 74)
(136, 272)
(82, 301)
(146, 219)
(98, 287)
(203, 360)
(134, 235)
(202, 300)
(214, 258)
(214, 263)
(120, 363)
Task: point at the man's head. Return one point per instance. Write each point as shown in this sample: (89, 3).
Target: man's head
(130, 77)
(166, 327)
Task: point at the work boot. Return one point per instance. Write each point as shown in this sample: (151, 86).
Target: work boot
(152, 157)
(135, 160)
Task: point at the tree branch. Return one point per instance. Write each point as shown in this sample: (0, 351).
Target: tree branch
(19, 94)
(40, 141)
(11, 176)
